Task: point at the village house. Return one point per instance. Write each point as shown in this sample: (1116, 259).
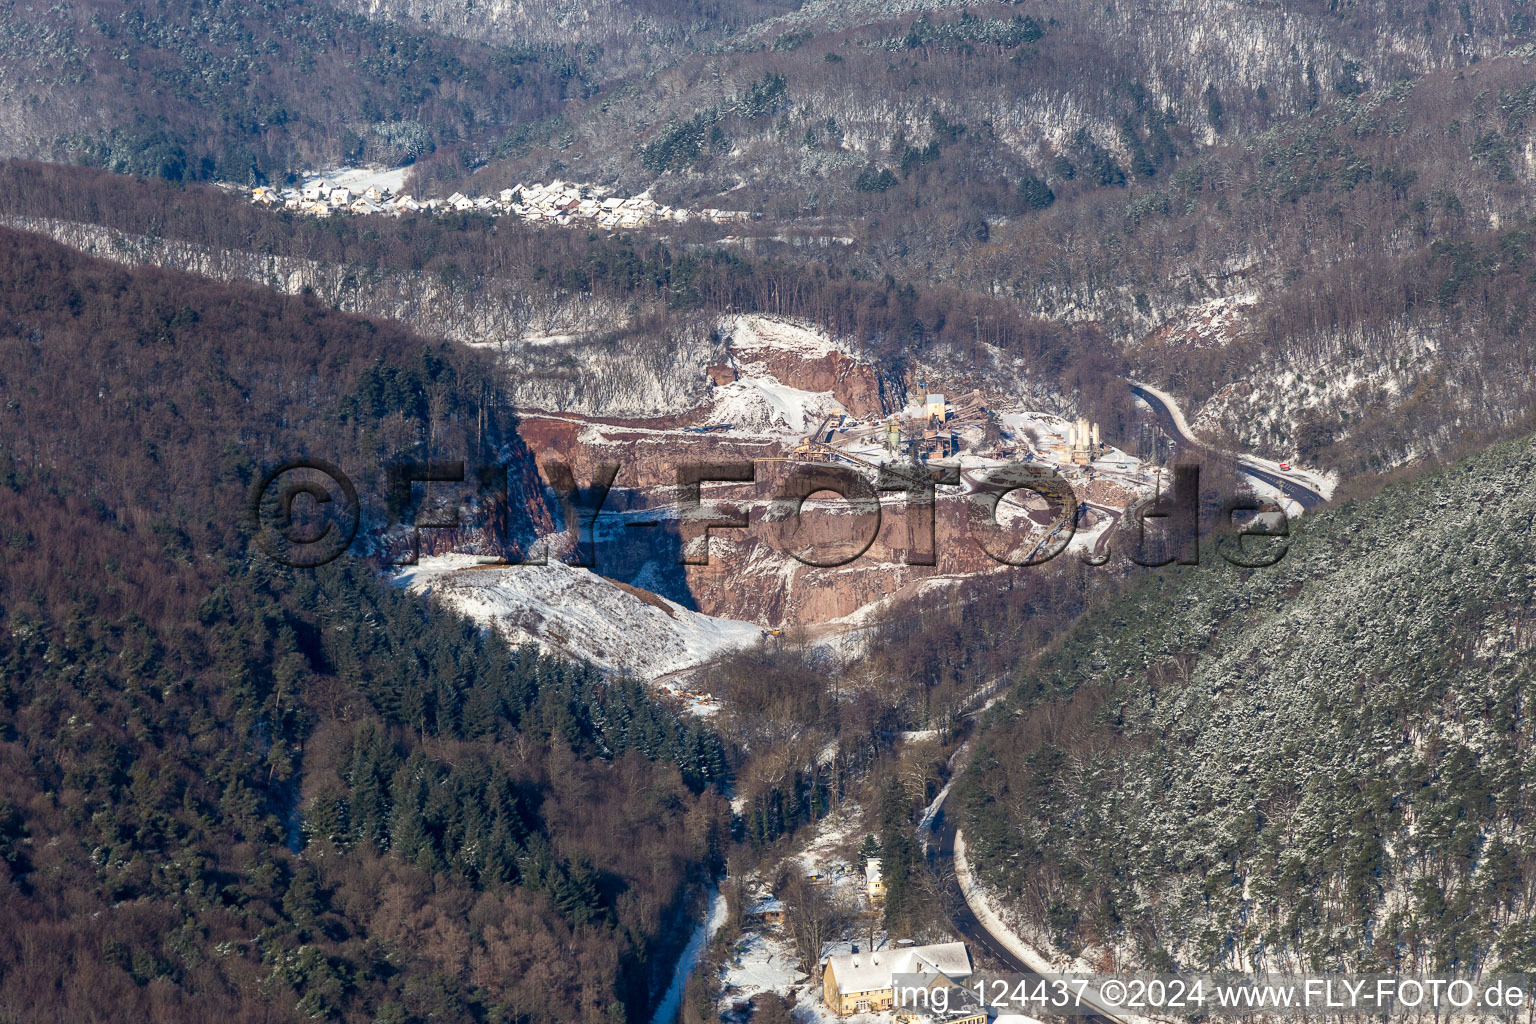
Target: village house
(559, 202)
(865, 982)
(766, 911)
(874, 881)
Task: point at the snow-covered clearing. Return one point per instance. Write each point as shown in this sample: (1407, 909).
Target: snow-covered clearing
(832, 852)
(550, 339)
(1023, 424)
(577, 612)
(763, 960)
(752, 332)
(761, 402)
(360, 179)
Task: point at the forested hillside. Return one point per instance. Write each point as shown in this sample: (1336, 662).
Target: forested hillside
(1324, 764)
(1332, 183)
(1348, 287)
(794, 109)
(230, 790)
(248, 92)
(645, 309)
(619, 37)
(1302, 245)
(233, 790)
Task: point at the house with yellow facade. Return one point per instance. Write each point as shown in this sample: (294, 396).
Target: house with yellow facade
(864, 982)
(874, 881)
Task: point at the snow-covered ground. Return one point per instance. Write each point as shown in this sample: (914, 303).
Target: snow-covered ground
(829, 852)
(1213, 323)
(577, 612)
(550, 339)
(761, 403)
(752, 332)
(763, 960)
(360, 179)
(1024, 425)
(763, 957)
(1086, 538)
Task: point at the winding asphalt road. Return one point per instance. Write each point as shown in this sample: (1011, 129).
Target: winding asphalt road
(960, 913)
(964, 920)
(1303, 495)
(940, 846)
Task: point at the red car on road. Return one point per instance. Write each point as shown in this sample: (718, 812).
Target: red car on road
(1285, 465)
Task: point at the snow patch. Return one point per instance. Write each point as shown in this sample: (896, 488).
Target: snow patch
(762, 403)
(753, 332)
(577, 612)
(360, 179)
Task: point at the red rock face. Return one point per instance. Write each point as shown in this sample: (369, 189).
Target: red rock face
(852, 383)
(648, 456)
(753, 573)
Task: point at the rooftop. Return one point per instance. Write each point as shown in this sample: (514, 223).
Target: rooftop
(868, 972)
